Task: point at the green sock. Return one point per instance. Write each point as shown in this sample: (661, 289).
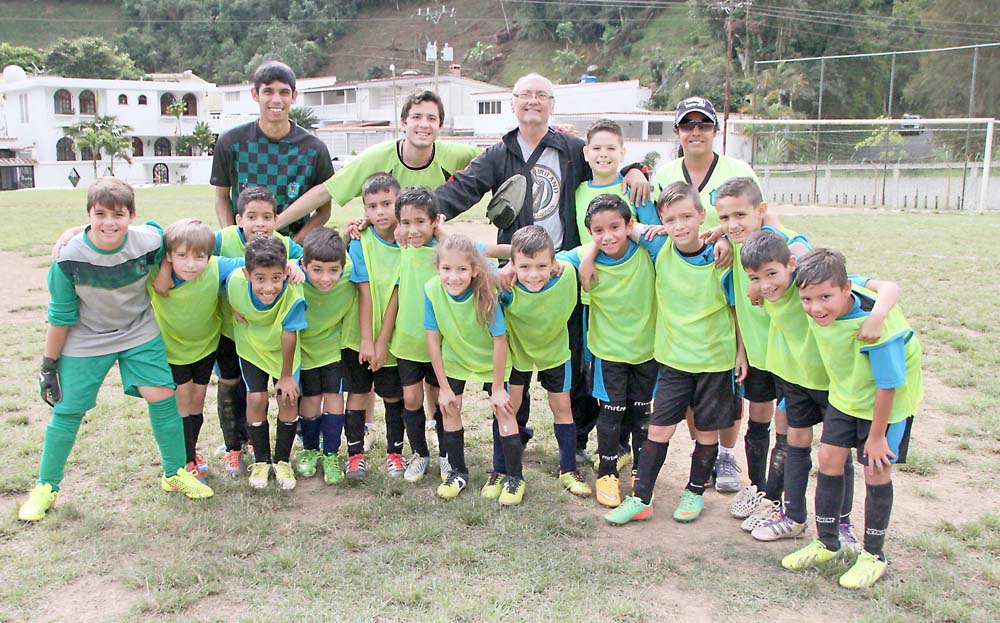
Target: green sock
(59, 437)
(168, 430)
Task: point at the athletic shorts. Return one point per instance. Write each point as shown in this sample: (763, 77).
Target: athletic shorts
(556, 380)
(760, 386)
(805, 407)
(322, 380)
(458, 386)
(256, 380)
(712, 395)
(413, 372)
(846, 431)
(359, 379)
(623, 382)
(200, 372)
(227, 362)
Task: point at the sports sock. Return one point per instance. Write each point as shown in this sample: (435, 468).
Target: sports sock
(499, 460)
(260, 438)
(847, 505)
(332, 425)
(241, 412)
(455, 442)
(197, 420)
(283, 440)
(188, 438)
(798, 463)
(439, 431)
(639, 429)
(310, 428)
(702, 462)
(726, 453)
(60, 434)
(227, 415)
(354, 424)
(566, 438)
(755, 444)
(608, 437)
(776, 468)
(393, 427)
(168, 430)
(878, 508)
(653, 455)
(513, 450)
(414, 421)
(829, 494)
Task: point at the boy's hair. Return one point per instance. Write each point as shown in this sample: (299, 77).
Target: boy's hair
(678, 191)
(273, 71)
(606, 125)
(419, 197)
(379, 182)
(255, 193)
(744, 187)
(607, 203)
(762, 247)
(821, 265)
(111, 192)
(419, 97)
(190, 233)
(324, 245)
(530, 241)
(484, 285)
(264, 252)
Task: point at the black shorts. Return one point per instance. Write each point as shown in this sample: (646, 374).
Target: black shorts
(760, 386)
(623, 382)
(458, 387)
(226, 359)
(200, 371)
(556, 380)
(413, 372)
(805, 407)
(359, 379)
(326, 379)
(255, 379)
(712, 395)
(846, 431)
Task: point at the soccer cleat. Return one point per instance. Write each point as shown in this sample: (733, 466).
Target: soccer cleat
(453, 485)
(766, 511)
(608, 491)
(574, 483)
(865, 571)
(192, 468)
(848, 542)
(493, 487)
(232, 464)
(370, 436)
(583, 457)
(624, 458)
(631, 509)
(248, 457)
(200, 461)
(727, 474)
(333, 473)
(745, 502)
(444, 467)
(259, 473)
(394, 465)
(357, 468)
(306, 462)
(284, 475)
(416, 468)
(185, 482)
(40, 500)
(513, 491)
(809, 556)
(780, 527)
(689, 508)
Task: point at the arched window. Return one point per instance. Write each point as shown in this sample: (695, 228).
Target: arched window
(88, 103)
(64, 149)
(63, 102)
(142, 100)
(161, 174)
(123, 100)
(166, 100)
(87, 153)
(136, 147)
(192, 105)
(161, 147)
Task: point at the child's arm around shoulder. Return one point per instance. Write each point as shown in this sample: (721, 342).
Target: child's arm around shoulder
(888, 295)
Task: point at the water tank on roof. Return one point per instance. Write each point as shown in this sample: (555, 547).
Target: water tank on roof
(13, 73)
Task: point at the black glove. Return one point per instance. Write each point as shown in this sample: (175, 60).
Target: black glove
(48, 382)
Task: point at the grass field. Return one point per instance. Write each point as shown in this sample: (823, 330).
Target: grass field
(119, 549)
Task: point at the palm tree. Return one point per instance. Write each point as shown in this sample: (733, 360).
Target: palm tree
(304, 117)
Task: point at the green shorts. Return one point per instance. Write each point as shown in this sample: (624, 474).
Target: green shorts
(81, 377)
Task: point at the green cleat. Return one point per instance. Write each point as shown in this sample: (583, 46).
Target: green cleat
(690, 506)
(809, 556)
(575, 484)
(453, 485)
(333, 473)
(865, 571)
(513, 492)
(624, 458)
(284, 476)
(39, 501)
(306, 461)
(631, 509)
(493, 487)
(186, 483)
(259, 473)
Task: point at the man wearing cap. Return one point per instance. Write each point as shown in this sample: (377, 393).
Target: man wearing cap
(696, 125)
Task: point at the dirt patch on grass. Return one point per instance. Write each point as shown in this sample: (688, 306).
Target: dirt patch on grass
(90, 598)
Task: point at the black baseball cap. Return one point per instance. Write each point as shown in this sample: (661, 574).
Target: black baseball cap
(695, 104)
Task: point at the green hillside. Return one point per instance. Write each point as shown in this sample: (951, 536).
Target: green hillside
(39, 24)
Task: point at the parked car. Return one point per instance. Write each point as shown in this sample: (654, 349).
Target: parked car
(911, 125)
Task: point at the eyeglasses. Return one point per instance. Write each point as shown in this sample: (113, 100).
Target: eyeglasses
(704, 124)
(541, 96)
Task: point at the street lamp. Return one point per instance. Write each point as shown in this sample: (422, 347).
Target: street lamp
(447, 54)
(392, 118)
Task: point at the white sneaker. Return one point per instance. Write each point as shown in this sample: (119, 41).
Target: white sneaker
(765, 511)
(370, 436)
(781, 527)
(848, 542)
(416, 468)
(444, 467)
(745, 502)
(727, 474)
(259, 473)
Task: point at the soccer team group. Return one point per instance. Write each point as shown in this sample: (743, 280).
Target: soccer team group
(634, 315)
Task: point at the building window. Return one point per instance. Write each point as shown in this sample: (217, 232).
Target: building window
(233, 96)
(63, 102)
(489, 108)
(161, 147)
(161, 174)
(88, 103)
(142, 100)
(123, 100)
(655, 128)
(192, 105)
(136, 147)
(165, 101)
(64, 149)
(23, 100)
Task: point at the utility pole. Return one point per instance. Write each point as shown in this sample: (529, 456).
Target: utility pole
(729, 7)
(434, 15)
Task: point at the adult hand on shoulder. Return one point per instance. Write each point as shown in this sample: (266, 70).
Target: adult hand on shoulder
(637, 187)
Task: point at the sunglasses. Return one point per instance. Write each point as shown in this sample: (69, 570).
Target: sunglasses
(690, 125)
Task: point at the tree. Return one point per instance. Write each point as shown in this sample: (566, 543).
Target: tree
(567, 63)
(24, 57)
(177, 110)
(90, 57)
(102, 134)
(204, 140)
(304, 117)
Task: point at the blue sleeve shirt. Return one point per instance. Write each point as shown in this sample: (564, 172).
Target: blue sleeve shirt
(888, 359)
(359, 270)
(498, 326)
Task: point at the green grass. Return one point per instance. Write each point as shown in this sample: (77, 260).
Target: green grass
(59, 18)
(387, 551)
